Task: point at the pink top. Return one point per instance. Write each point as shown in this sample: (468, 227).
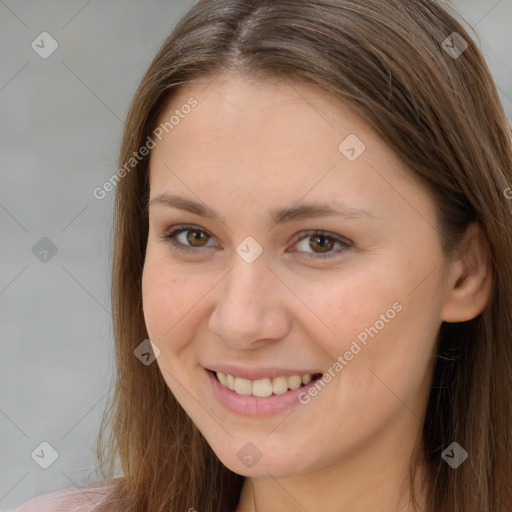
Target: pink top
(71, 499)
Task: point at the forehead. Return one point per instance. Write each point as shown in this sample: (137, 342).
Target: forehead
(245, 123)
(271, 144)
(228, 102)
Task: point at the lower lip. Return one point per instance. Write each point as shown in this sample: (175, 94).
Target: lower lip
(248, 405)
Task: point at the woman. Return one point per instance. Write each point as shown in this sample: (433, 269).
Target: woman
(312, 228)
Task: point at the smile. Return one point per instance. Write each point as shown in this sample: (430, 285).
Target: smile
(266, 386)
(260, 396)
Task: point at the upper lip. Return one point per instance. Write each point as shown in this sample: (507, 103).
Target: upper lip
(258, 373)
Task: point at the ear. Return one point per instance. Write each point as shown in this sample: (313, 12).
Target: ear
(469, 283)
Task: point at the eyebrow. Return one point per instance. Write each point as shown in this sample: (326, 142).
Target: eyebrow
(279, 216)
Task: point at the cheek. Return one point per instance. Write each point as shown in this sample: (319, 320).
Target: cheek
(386, 349)
(167, 297)
(342, 308)
(375, 320)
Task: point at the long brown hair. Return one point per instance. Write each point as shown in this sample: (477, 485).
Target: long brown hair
(440, 112)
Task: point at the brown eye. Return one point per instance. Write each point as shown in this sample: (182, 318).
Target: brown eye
(321, 244)
(188, 238)
(196, 238)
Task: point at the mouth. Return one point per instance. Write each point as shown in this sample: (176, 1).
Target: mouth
(265, 387)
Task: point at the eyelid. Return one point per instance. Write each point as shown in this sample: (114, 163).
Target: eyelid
(170, 235)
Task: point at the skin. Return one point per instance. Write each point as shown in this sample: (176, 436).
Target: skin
(247, 148)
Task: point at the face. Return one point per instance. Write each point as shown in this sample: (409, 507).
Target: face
(354, 296)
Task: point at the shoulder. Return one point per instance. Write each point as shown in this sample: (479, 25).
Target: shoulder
(83, 498)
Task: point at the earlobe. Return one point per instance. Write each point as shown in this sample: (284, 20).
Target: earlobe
(470, 282)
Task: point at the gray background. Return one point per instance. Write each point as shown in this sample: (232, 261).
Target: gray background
(61, 120)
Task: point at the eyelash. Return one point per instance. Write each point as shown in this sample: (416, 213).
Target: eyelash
(170, 238)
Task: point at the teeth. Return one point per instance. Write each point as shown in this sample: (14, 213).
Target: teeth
(294, 381)
(231, 382)
(306, 379)
(263, 387)
(279, 385)
(223, 379)
(243, 386)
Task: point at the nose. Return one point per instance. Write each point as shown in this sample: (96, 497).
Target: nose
(250, 309)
